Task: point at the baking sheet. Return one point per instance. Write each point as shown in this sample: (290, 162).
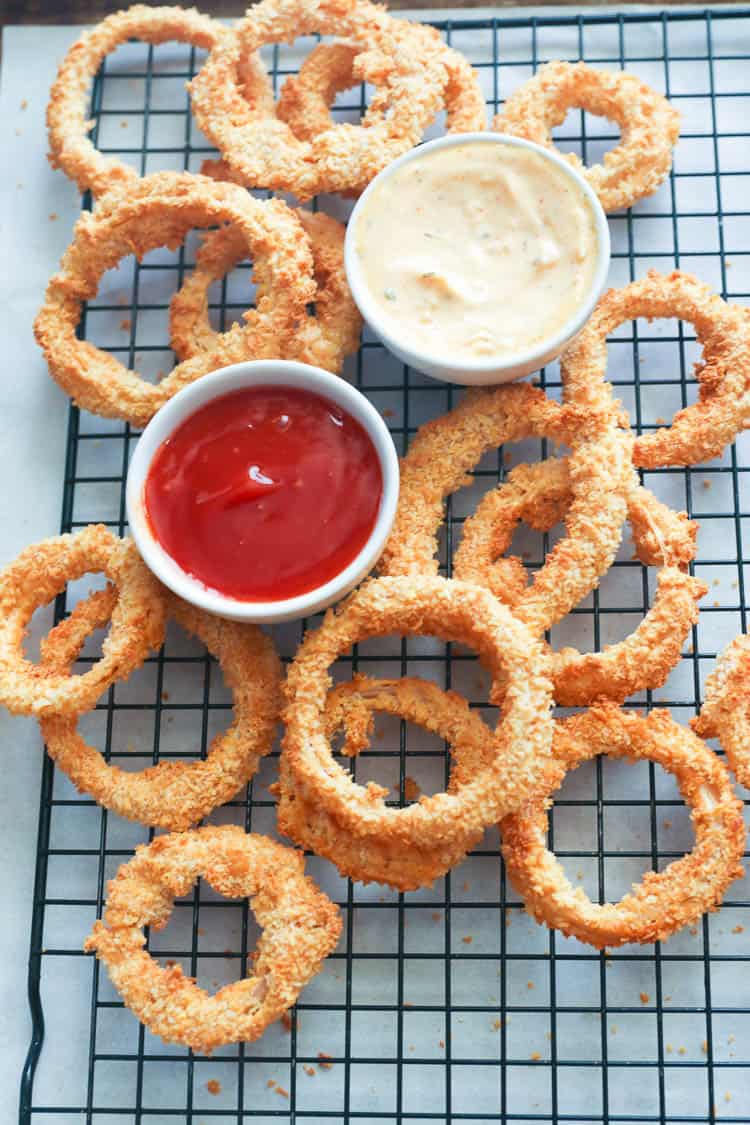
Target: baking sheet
(405, 980)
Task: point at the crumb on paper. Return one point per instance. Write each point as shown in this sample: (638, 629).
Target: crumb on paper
(441, 1043)
(53, 216)
(682, 1050)
(126, 324)
(412, 1047)
(388, 412)
(708, 483)
(644, 997)
(465, 885)
(200, 932)
(165, 696)
(408, 1004)
(660, 421)
(123, 124)
(667, 824)
(412, 792)
(717, 604)
(613, 1029)
(530, 985)
(309, 1071)
(716, 582)
(704, 1046)
(270, 1083)
(727, 1097)
(436, 917)
(730, 1038)
(738, 929)
(670, 1048)
(325, 1061)
(507, 458)
(535, 1056)
(286, 1022)
(213, 1086)
(24, 103)
(467, 940)
(727, 264)
(579, 875)
(497, 1024)
(735, 585)
(281, 1092)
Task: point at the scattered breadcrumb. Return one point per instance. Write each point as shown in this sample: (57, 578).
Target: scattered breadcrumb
(613, 1029)
(270, 1083)
(164, 696)
(704, 1046)
(738, 930)
(727, 263)
(24, 104)
(412, 1047)
(669, 1048)
(708, 484)
(717, 605)
(716, 582)
(436, 917)
(441, 1043)
(727, 1097)
(287, 1022)
(123, 124)
(467, 940)
(53, 216)
(529, 985)
(408, 1004)
(465, 885)
(535, 1056)
(667, 824)
(281, 1092)
(213, 1086)
(412, 792)
(126, 324)
(497, 1025)
(682, 1050)
(324, 1063)
(659, 421)
(735, 585)
(507, 458)
(645, 998)
(579, 875)
(388, 413)
(200, 932)
(310, 1070)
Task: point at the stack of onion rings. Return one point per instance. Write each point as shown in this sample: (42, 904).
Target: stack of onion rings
(301, 926)
(323, 340)
(173, 795)
(649, 125)
(697, 432)
(159, 211)
(263, 151)
(725, 713)
(37, 576)
(664, 901)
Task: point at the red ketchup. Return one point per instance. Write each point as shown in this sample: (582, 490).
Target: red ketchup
(264, 493)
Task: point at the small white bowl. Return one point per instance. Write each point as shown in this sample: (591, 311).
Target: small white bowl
(491, 371)
(261, 373)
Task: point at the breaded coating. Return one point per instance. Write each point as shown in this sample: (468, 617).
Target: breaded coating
(663, 901)
(38, 575)
(445, 450)
(725, 713)
(263, 151)
(649, 125)
(452, 611)
(301, 926)
(700, 431)
(323, 340)
(173, 794)
(159, 210)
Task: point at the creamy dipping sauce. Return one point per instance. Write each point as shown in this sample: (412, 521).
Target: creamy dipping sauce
(477, 251)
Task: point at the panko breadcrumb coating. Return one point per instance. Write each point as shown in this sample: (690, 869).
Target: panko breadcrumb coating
(649, 125)
(301, 926)
(38, 575)
(663, 901)
(159, 210)
(700, 431)
(726, 707)
(323, 340)
(173, 794)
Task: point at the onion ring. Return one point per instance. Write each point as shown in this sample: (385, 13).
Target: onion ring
(37, 576)
(540, 494)
(649, 125)
(725, 713)
(451, 611)
(323, 340)
(664, 901)
(264, 152)
(159, 210)
(306, 97)
(350, 707)
(173, 795)
(70, 147)
(446, 449)
(697, 432)
(301, 926)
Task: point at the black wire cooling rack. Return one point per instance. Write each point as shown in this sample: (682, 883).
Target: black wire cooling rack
(448, 1003)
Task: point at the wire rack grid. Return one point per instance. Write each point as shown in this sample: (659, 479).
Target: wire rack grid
(449, 1003)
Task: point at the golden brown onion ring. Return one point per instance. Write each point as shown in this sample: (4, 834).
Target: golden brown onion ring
(725, 713)
(323, 340)
(350, 707)
(264, 152)
(37, 576)
(446, 449)
(663, 901)
(452, 611)
(306, 98)
(173, 794)
(649, 125)
(159, 210)
(540, 494)
(70, 147)
(697, 432)
(300, 925)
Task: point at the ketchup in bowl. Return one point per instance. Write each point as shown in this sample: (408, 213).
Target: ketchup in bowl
(265, 493)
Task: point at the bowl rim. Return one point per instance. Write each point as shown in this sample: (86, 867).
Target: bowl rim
(217, 384)
(423, 360)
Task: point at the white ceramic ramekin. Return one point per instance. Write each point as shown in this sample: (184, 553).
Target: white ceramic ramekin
(490, 371)
(225, 381)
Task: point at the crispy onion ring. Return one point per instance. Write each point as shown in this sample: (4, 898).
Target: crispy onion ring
(539, 494)
(323, 340)
(70, 147)
(665, 901)
(159, 210)
(301, 926)
(172, 794)
(445, 450)
(37, 576)
(725, 713)
(451, 611)
(702, 430)
(264, 152)
(351, 707)
(306, 97)
(649, 125)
